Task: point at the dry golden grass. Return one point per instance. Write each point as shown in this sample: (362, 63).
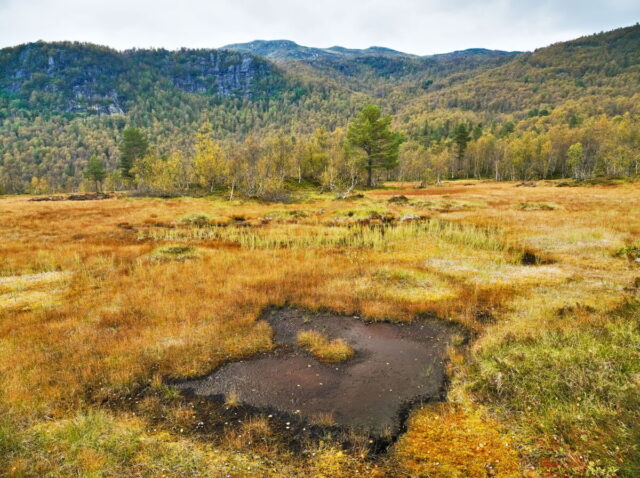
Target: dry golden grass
(88, 318)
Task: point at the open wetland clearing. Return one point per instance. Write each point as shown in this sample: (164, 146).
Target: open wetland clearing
(463, 330)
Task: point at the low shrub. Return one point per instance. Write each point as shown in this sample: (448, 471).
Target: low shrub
(196, 220)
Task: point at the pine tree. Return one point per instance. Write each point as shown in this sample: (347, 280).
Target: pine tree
(461, 138)
(95, 172)
(371, 132)
(134, 146)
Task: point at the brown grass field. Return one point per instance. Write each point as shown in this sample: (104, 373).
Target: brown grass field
(103, 303)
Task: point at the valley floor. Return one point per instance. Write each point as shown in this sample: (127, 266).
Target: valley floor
(104, 304)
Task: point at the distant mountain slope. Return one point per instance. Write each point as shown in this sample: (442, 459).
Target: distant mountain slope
(372, 68)
(77, 78)
(605, 63)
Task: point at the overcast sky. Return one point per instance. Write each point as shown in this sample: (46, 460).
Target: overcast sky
(414, 26)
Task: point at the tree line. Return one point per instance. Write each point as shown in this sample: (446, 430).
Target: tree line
(542, 148)
(258, 167)
(546, 144)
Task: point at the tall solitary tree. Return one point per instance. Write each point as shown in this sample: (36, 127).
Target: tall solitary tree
(95, 172)
(371, 132)
(134, 146)
(461, 138)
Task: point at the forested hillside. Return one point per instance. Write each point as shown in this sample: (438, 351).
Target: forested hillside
(281, 110)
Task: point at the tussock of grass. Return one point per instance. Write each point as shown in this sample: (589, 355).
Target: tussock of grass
(232, 399)
(323, 419)
(319, 345)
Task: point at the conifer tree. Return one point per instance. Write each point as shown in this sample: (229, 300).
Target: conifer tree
(371, 132)
(134, 146)
(95, 172)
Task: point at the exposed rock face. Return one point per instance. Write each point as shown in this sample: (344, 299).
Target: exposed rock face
(74, 77)
(212, 73)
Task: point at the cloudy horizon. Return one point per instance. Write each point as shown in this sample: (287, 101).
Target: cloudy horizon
(413, 26)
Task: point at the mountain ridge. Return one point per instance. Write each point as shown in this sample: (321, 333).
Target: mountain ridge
(290, 50)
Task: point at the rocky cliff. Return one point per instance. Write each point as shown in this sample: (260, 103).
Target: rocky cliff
(75, 77)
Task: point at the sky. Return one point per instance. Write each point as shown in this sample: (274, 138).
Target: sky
(414, 26)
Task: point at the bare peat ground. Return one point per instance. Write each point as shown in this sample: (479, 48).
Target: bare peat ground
(395, 365)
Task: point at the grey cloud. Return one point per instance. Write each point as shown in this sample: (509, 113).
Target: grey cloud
(416, 26)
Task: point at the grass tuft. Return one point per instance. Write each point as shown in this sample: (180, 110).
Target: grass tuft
(319, 345)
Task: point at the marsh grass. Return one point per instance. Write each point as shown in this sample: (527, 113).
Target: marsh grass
(232, 399)
(460, 443)
(98, 444)
(380, 237)
(323, 419)
(32, 291)
(447, 205)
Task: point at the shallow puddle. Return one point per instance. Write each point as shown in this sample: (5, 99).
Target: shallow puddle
(394, 366)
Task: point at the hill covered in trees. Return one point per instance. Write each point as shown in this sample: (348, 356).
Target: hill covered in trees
(567, 110)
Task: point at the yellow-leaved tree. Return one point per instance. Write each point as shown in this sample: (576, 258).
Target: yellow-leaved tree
(211, 165)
